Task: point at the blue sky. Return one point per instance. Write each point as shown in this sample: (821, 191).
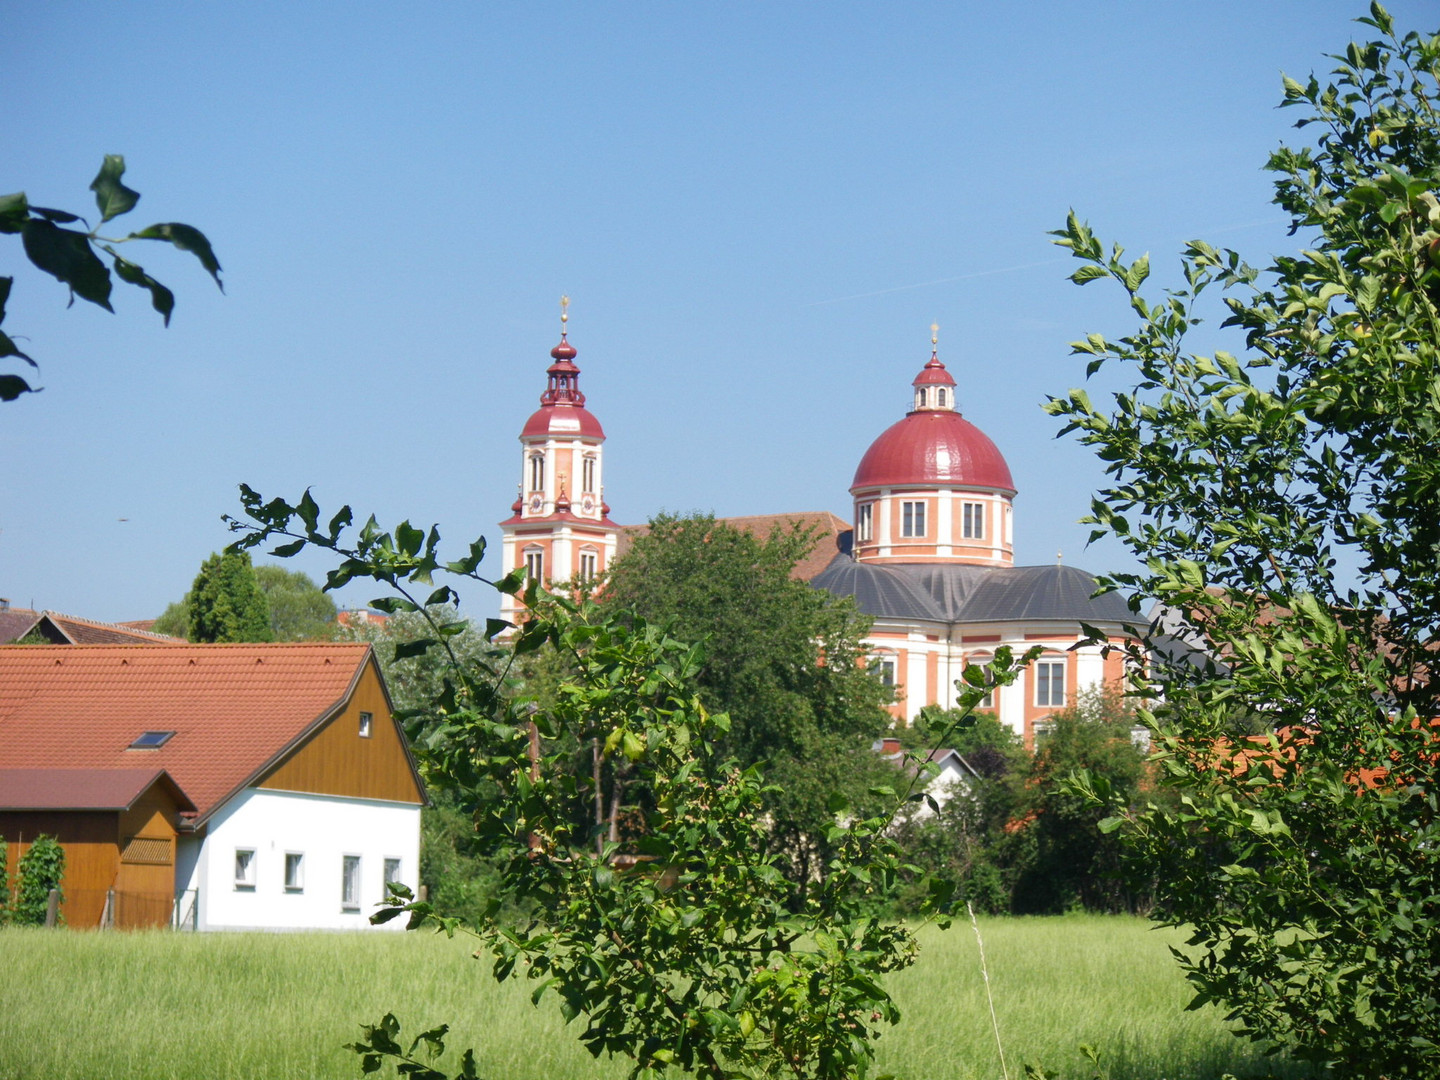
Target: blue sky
(757, 210)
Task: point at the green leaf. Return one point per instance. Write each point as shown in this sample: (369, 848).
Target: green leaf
(186, 238)
(14, 211)
(9, 348)
(1088, 273)
(111, 196)
(12, 386)
(67, 256)
(161, 298)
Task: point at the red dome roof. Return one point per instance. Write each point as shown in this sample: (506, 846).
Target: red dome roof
(563, 420)
(937, 447)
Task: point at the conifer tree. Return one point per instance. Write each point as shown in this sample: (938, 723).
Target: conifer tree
(226, 603)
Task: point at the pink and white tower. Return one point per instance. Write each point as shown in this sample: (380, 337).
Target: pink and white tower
(560, 526)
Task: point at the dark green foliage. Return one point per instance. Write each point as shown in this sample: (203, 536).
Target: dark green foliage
(299, 610)
(782, 659)
(680, 943)
(38, 871)
(1306, 859)
(4, 883)
(226, 604)
(70, 256)
(1067, 860)
(175, 619)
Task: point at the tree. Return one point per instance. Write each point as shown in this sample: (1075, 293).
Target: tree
(1285, 504)
(226, 603)
(679, 943)
(69, 255)
(299, 609)
(781, 658)
(38, 871)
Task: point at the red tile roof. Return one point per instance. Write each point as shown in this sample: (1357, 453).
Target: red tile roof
(15, 623)
(82, 789)
(235, 709)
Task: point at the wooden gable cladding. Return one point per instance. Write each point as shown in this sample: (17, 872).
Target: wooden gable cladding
(338, 760)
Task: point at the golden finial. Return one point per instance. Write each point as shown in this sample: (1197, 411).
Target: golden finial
(564, 313)
(934, 341)
(1059, 558)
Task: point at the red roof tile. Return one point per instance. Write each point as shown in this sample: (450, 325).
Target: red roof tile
(234, 709)
(82, 789)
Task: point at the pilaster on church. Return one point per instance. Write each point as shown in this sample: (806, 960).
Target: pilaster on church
(560, 527)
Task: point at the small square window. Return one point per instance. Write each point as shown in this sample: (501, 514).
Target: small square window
(294, 871)
(367, 723)
(350, 883)
(245, 869)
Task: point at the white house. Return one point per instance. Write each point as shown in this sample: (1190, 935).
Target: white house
(306, 799)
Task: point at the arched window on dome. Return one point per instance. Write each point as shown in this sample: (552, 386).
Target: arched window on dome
(882, 663)
(940, 396)
(537, 472)
(920, 398)
(864, 522)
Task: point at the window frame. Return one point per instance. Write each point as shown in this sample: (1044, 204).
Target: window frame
(587, 474)
(912, 519)
(537, 472)
(535, 563)
(1048, 681)
(391, 863)
(367, 725)
(865, 522)
(294, 871)
(245, 873)
(350, 882)
(972, 520)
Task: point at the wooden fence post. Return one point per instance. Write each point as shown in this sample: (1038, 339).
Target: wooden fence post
(52, 908)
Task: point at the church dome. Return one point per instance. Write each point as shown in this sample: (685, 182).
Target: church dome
(563, 420)
(933, 447)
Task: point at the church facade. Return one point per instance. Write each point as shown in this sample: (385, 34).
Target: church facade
(928, 553)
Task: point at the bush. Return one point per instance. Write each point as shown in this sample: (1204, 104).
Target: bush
(39, 870)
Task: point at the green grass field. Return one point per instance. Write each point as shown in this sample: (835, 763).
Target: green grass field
(258, 1006)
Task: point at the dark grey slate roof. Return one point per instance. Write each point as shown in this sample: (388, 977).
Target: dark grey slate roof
(938, 592)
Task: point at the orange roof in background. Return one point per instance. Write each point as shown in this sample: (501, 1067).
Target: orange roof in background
(234, 709)
(15, 623)
(827, 528)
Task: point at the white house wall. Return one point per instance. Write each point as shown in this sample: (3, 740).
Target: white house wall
(322, 828)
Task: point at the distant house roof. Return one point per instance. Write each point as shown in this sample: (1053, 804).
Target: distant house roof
(60, 629)
(236, 710)
(940, 592)
(83, 789)
(832, 533)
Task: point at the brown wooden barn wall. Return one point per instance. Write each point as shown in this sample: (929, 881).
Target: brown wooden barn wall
(337, 761)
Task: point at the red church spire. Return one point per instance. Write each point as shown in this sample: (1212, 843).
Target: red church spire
(563, 387)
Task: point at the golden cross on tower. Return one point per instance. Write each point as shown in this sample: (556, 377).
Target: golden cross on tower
(934, 340)
(564, 313)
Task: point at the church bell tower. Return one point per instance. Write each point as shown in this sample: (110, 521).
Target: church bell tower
(560, 527)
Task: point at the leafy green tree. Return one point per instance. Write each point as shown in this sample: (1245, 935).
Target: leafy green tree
(299, 609)
(679, 944)
(1065, 859)
(70, 256)
(1285, 504)
(39, 871)
(175, 619)
(226, 603)
(782, 659)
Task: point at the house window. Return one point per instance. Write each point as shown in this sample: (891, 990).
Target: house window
(864, 522)
(885, 666)
(1050, 683)
(350, 883)
(912, 519)
(587, 475)
(972, 523)
(535, 563)
(245, 869)
(367, 723)
(589, 565)
(294, 871)
(392, 874)
(988, 701)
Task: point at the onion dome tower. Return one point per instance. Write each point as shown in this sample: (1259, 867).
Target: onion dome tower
(933, 488)
(560, 525)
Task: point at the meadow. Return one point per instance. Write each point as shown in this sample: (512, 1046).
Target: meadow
(259, 1006)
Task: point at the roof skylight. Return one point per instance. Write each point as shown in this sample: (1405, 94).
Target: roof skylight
(151, 740)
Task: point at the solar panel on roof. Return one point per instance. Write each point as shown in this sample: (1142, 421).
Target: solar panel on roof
(150, 740)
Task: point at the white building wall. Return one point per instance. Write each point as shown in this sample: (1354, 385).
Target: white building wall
(324, 829)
